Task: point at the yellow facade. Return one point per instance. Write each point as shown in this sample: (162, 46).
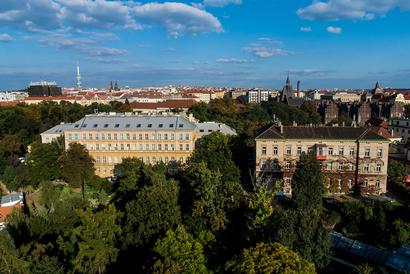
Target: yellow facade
(108, 148)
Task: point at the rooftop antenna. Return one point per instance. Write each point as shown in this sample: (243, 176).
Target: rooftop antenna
(78, 77)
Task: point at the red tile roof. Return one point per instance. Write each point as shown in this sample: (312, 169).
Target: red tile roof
(167, 104)
(8, 104)
(6, 211)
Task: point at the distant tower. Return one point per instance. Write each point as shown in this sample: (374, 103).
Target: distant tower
(111, 88)
(78, 77)
(298, 89)
(116, 85)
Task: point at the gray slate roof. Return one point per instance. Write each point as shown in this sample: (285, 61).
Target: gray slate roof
(59, 129)
(214, 127)
(132, 122)
(11, 198)
(306, 132)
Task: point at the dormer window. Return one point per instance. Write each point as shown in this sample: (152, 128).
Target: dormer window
(95, 125)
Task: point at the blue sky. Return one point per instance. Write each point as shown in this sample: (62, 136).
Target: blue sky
(240, 43)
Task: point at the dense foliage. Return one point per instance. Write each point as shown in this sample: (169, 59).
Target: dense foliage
(203, 217)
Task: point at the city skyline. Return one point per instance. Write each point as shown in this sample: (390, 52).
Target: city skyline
(326, 44)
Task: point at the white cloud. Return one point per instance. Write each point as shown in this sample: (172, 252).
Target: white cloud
(233, 61)
(305, 29)
(84, 45)
(178, 18)
(99, 14)
(221, 3)
(335, 30)
(333, 10)
(30, 15)
(265, 52)
(5, 38)
(311, 73)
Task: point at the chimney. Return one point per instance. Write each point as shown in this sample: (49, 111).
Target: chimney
(281, 129)
(295, 124)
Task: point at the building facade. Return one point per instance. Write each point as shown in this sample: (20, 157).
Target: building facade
(111, 137)
(349, 156)
(401, 128)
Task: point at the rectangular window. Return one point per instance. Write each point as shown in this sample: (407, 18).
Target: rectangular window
(146, 146)
(159, 136)
(141, 147)
(351, 167)
(165, 136)
(166, 146)
(153, 136)
(153, 147)
(96, 136)
(287, 165)
(352, 151)
(102, 136)
(90, 136)
(75, 136)
(187, 136)
(378, 168)
(329, 166)
(115, 136)
(366, 168)
(288, 150)
(159, 146)
(275, 150)
(367, 152)
(187, 147)
(340, 167)
(97, 147)
(341, 151)
(330, 151)
(181, 147)
(134, 136)
(84, 136)
(181, 136)
(378, 183)
(70, 136)
(379, 152)
(299, 151)
(109, 136)
(146, 136)
(172, 147)
(172, 136)
(140, 136)
(128, 136)
(122, 146)
(121, 136)
(264, 150)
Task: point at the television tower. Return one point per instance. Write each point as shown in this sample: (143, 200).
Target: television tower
(78, 77)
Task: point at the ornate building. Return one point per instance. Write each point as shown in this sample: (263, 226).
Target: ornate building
(350, 157)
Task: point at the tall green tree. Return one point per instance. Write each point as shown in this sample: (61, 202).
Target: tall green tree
(183, 249)
(97, 237)
(211, 197)
(154, 210)
(307, 183)
(77, 166)
(43, 162)
(215, 151)
(9, 259)
(269, 258)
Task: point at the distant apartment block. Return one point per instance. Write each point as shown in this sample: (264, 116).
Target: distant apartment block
(38, 89)
(255, 96)
(111, 137)
(348, 156)
(401, 128)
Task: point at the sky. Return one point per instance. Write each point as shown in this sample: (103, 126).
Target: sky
(221, 43)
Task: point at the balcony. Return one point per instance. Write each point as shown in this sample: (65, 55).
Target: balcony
(321, 152)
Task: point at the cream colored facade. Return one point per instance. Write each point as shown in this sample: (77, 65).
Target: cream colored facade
(359, 156)
(109, 138)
